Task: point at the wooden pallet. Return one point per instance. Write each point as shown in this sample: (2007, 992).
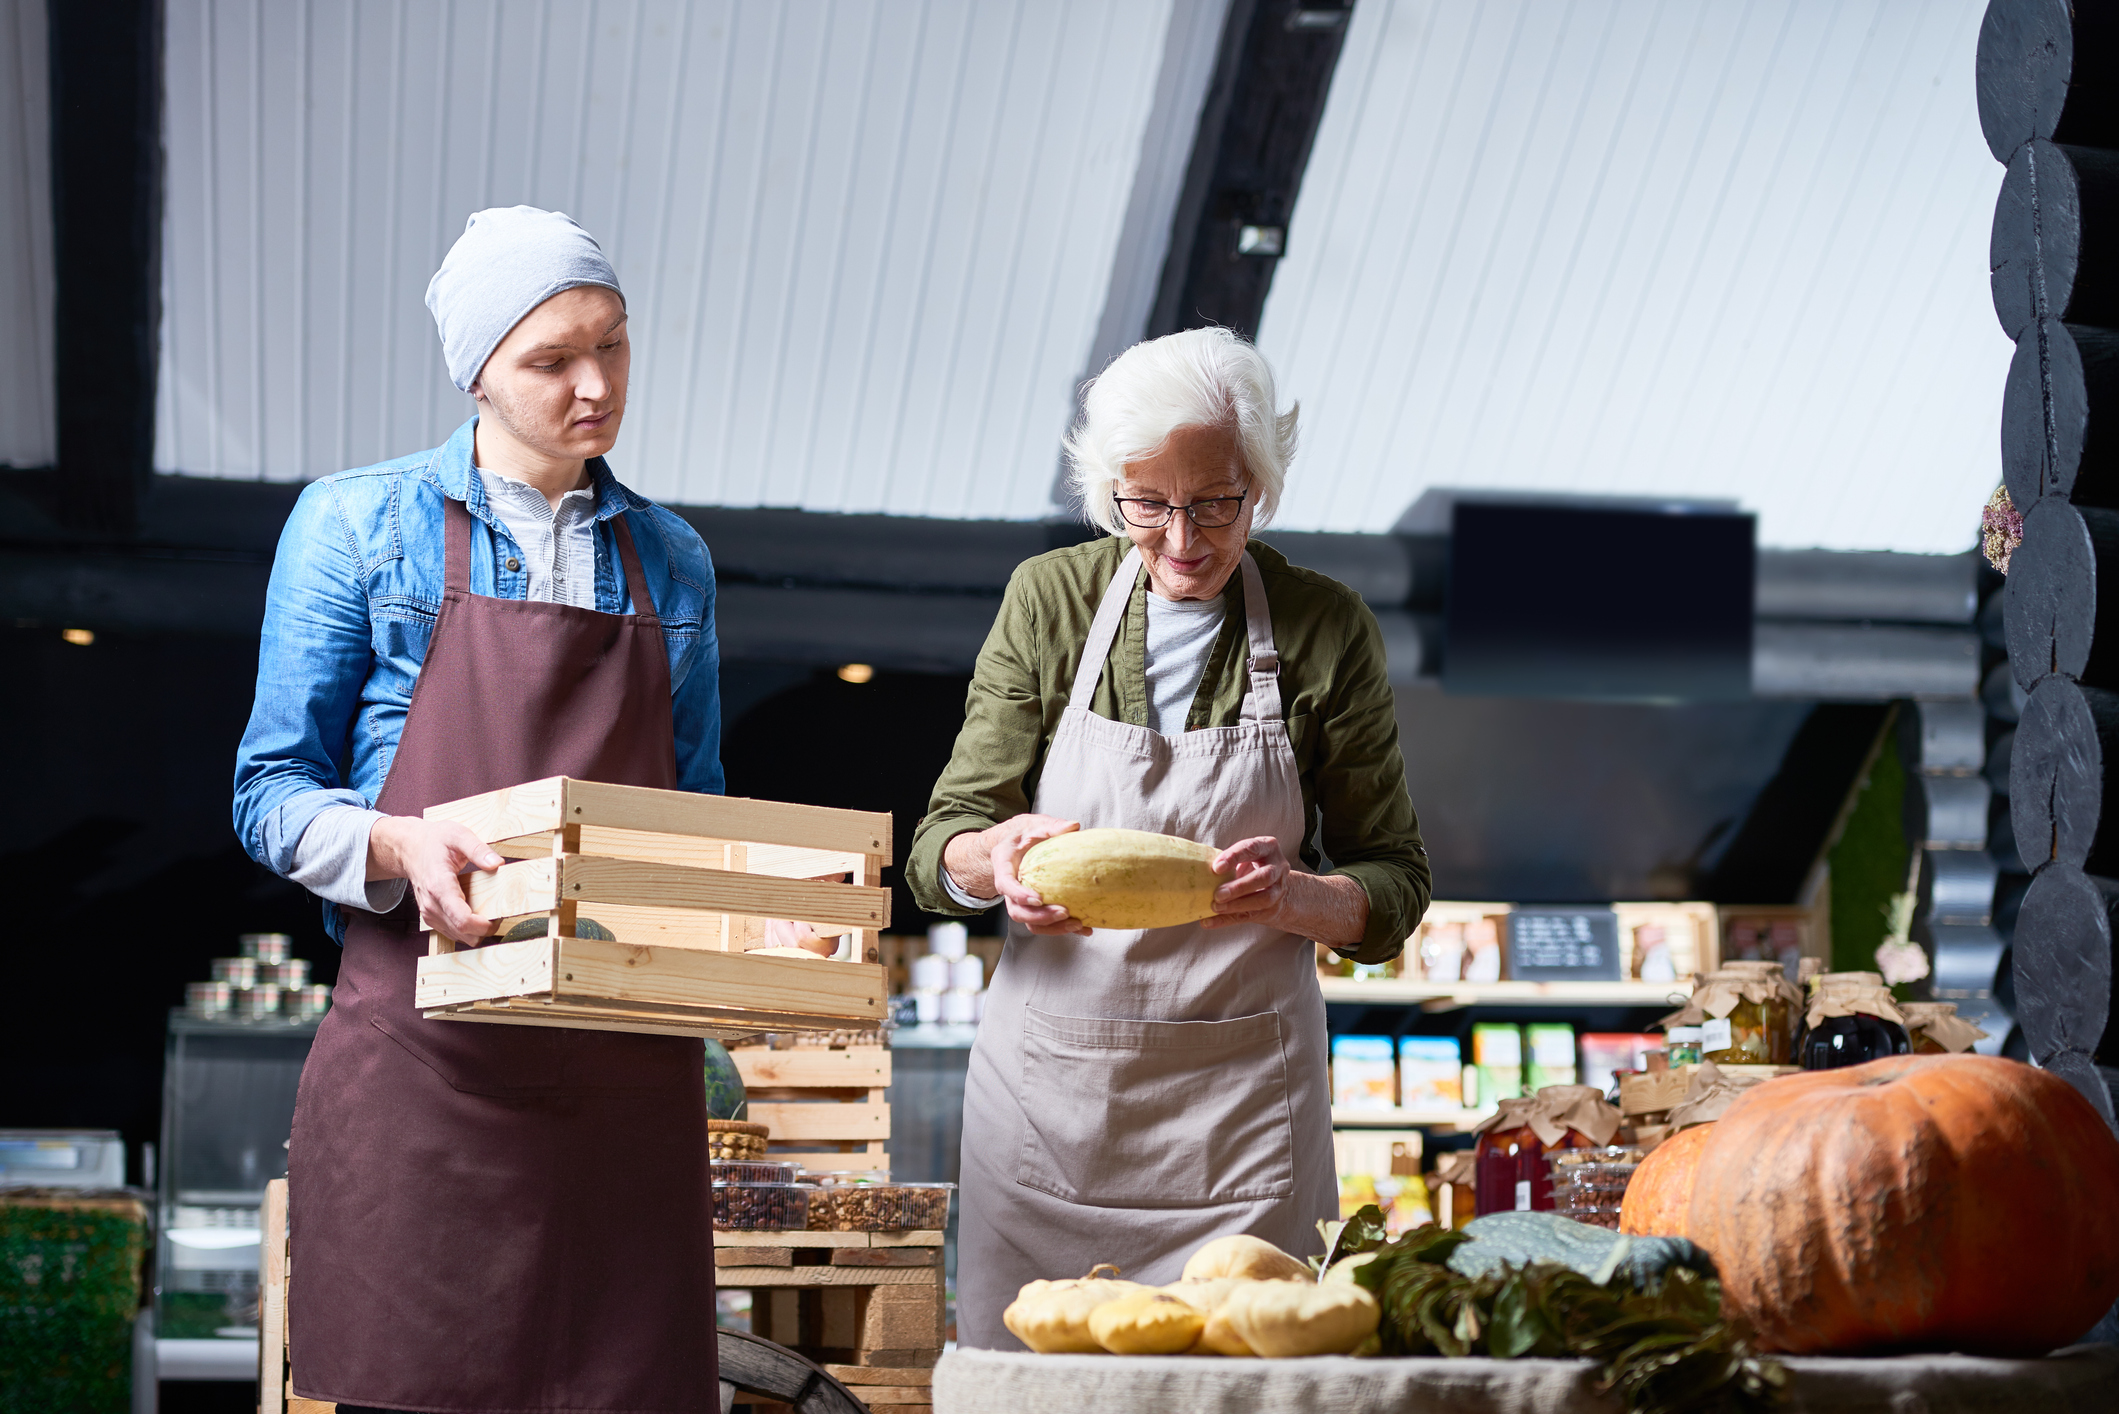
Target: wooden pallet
(685, 882)
(867, 1306)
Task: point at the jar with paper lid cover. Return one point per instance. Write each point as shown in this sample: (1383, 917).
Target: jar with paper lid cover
(1935, 1028)
(1512, 1173)
(1851, 1019)
(1746, 1013)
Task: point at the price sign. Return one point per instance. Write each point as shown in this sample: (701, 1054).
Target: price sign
(1548, 944)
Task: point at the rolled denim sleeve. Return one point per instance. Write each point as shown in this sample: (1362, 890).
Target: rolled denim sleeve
(695, 704)
(313, 656)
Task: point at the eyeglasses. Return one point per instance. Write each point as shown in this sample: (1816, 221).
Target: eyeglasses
(1210, 514)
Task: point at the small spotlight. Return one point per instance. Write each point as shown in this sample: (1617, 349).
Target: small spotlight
(856, 672)
(79, 637)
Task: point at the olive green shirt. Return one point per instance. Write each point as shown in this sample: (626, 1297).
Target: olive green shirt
(1341, 719)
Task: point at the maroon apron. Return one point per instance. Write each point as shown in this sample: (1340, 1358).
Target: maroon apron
(488, 1217)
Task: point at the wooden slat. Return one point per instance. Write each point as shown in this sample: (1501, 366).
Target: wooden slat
(764, 1256)
(809, 1123)
(813, 1066)
(915, 1238)
(478, 974)
(524, 1014)
(795, 862)
(825, 1162)
(272, 1300)
(503, 814)
(650, 927)
(724, 817)
(885, 1257)
(682, 977)
(893, 1397)
(825, 1276)
(918, 1376)
(587, 880)
(520, 886)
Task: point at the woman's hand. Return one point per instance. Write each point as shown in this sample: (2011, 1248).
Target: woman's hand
(432, 855)
(1257, 869)
(1264, 888)
(983, 864)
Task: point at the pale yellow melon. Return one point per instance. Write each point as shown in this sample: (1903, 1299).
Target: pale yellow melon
(1123, 878)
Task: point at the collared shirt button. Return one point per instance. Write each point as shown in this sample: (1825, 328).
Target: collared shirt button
(513, 563)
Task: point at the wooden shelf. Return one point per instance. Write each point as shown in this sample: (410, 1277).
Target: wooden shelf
(1437, 1117)
(1446, 996)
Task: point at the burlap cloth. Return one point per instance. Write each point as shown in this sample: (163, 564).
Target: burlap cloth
(1553, 1111)
(2080, 1380)
(1940, 1023)
(1458, 1166)
(1729, 986)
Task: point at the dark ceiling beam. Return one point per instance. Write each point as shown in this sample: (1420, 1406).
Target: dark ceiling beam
(106, 98)
(1255, 132)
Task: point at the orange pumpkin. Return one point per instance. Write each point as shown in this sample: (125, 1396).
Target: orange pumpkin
(1661, 1188)
(1919, 1202)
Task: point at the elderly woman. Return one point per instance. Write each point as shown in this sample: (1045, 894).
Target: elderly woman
(1133, 1094)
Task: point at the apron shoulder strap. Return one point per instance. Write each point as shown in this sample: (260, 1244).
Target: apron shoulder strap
(1103, 631)
(456, 546)
(635, 577)
(1261, 699)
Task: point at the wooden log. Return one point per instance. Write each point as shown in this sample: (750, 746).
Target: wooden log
(2068, 446)
(2053, 252)
(2044, 71)
(1946, 812)
(2062, 596)
(2061, 776)
(2062, 956)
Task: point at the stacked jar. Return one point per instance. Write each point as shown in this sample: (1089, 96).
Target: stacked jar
(1746, 1013)
(1851, 1019)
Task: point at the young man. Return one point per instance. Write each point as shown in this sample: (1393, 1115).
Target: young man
(488, 1217)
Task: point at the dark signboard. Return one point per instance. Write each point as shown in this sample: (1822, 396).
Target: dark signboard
(1560, 944)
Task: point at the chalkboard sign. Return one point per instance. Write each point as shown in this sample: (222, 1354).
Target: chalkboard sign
(1564, 945)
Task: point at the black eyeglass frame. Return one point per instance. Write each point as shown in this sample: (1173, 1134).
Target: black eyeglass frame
(1191, 509)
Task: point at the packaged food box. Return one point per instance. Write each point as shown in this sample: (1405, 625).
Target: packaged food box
(886, 1207)
(1430, 1072)
(739, 1171)
(1497, 1057)
(1364, 1073)
(1552, 1054)
(762, 1207)
(1606, 1053)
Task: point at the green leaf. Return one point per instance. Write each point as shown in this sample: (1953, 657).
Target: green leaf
(1363, 1232)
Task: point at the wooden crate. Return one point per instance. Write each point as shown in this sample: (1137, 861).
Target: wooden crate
(1693, 931)
(1813, 933)
(826, 1108)
(867, 1306)
(685, 882)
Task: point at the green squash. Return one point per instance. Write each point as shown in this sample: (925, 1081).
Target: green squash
(584, 927)
(1518, 1239)
(725, 1096)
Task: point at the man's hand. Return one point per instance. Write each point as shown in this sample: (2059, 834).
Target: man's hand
(431, 855)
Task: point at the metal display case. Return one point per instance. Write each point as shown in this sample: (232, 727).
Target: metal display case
(227, 1110)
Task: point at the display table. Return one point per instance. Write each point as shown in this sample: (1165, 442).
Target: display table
(2081, 1380)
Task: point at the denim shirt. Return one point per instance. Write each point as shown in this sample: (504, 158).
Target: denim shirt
(356, 584)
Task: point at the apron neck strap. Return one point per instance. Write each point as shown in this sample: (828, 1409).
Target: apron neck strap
(635, 577)
(456, 546)
(1261, 698)
(456, 556)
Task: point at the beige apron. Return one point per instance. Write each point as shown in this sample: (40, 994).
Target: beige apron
(1133, 1094)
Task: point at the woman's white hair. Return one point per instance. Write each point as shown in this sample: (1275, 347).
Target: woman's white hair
(1197, 378)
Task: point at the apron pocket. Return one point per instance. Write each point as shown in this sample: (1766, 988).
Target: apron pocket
(1155, 1114)
(504, 1066)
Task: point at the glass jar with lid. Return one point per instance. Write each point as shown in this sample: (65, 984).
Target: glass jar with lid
(1746, 1013)
(1851, 1019)
(1512, 1171)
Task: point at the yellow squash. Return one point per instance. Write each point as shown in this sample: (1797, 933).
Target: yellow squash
(1123, 878)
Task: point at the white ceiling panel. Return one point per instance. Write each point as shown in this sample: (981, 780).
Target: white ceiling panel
(28, 421)
(1644, 247)
(866, 245)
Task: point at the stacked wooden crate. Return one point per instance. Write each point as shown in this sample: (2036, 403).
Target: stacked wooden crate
(868, 1306)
